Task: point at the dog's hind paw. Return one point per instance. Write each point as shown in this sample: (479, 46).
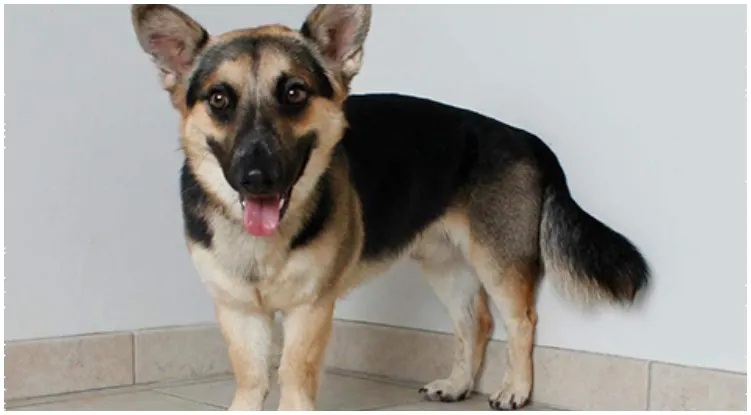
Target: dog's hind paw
(447, 390)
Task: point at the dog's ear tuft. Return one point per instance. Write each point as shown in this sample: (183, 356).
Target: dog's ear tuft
(171, 37)
(339, 31)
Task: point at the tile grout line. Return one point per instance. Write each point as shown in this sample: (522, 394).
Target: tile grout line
(135, 354)
(72, 396)
(406, 383)
(185, 398)
(649, 385)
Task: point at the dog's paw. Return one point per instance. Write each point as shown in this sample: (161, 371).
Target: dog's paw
(446, 390)
(510, 396)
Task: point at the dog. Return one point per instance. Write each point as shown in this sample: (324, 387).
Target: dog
(294, 191)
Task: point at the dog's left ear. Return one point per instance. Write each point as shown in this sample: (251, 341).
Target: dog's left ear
(339, 31)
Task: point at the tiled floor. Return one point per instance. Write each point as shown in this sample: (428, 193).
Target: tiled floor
(337, 392)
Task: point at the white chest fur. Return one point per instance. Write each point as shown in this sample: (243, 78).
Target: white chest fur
(251, 271)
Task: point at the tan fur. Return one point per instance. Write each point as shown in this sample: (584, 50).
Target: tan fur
(232, 72)
(512, 288)
(306, 332)
(241, 328)
(484, 327)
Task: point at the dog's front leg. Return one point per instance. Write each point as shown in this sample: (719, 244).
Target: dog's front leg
(248, 337)
(306, 333)
(245, 326)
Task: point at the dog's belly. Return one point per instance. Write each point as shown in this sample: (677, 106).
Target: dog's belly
(443, 240)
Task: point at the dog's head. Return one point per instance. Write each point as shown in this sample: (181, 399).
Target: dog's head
(261, 105)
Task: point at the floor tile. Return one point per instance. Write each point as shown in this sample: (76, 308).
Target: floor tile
(335, 393)
(476, 403)
(137, 401)
(97, 393)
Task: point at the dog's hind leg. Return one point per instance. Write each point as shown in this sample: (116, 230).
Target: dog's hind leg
(503, 249)
(459, 290)
(512, 289)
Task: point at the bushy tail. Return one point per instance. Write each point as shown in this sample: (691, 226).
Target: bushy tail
(589, 259)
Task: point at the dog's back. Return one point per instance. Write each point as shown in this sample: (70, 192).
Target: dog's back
(413, 159)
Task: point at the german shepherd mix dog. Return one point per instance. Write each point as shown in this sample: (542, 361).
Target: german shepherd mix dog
(294, 191)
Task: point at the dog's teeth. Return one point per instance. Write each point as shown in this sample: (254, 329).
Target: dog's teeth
(282, 202)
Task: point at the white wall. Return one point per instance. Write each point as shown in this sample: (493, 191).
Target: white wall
(644, 106)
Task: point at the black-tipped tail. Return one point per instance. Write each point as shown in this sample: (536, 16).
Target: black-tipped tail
(593, 259)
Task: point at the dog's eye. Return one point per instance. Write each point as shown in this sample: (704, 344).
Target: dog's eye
(294, 93)
(219, 101)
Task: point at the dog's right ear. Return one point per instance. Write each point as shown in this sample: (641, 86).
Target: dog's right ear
(171, 37)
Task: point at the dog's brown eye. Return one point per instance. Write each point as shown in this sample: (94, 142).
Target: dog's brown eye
(292, 94)
(296, 94)
(219, 100)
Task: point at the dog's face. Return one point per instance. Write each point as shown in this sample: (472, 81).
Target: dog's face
(260, 103)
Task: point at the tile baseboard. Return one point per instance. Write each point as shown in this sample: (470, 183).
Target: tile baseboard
(67, 364)
(178, 353)
(565, 379)
(691, 388)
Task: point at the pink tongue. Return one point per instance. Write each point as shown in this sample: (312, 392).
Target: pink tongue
(261, 216)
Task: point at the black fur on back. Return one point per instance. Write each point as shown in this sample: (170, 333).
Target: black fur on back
(410, 158)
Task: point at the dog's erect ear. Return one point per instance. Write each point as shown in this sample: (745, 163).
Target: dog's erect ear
(171, 37)
(339, 31)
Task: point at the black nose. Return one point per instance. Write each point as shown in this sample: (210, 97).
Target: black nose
(255, 167)
(258, 181)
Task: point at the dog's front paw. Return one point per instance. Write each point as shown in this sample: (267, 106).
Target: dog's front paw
(446, 390)
(512, 395)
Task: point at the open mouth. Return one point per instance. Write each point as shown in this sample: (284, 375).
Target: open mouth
(262, 214)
